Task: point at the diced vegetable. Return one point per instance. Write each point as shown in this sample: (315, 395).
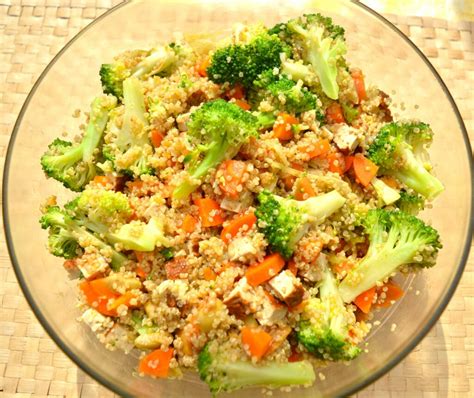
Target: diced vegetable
(335, 114)
(231, 178)
(156, 363)
(336, 163)
(365, 169)
(156, 137)
(256, 342)
(209, 274)
(242, 222)
(210, 212)
(365, 300)
(242, 104)
(387, 294)
(189, 224)
(201, 68)
(358, 78)
(265, 270)
(282, 127)
(304, 189)
(317, 149)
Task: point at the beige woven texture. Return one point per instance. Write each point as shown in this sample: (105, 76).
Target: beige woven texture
(31, 33)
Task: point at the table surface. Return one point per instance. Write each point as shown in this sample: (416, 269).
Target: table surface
(33, 31)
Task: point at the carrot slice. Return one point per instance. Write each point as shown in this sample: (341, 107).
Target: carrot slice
(156, 137)
(101, 180)
(97, 300)
(318, 149)
(242, 104)
(335, 114)
(265, 270)
(209, 274)
(282, 127)
(365, 300)
(304, 189)
(348, 162)
(359, 84)
(238, 223)
(156, 363)
(237, 92)
(365, 169)
(102, 288)
(233, 172)
(210, 212)
(387, 294)
(289, 179)
(124, 299)
(189, 223)
(256, 342)
(201, 68)
(336, 163)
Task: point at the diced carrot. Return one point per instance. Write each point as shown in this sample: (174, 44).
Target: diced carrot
(210, 212)
(387, 294)
(310, 249)
(237, 92)
(201, 68)
(156, 137)
(101, 180)
(317, 149)
(237, 224)
(231, 174)
(256, 342)
(174, 268)
(292, 267)
(390, 181)
(348, 162)
(334, 114)
(124, 299)
(156, 363)
(304, 189)
(336, 162)
(189, 223)
(141, 273)
(282, 127)
(265, 270)
(242, 104)
(97, 300)
(344, 266)
(209, 274)
(365, 300)
(359, 84)
(295, 356)
(365, 169)
(102, 288)
(70, 264)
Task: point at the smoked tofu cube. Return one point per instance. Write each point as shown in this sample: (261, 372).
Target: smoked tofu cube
(270, 310)
(313, 272)
(96, 321)
(287, 288)
(346, 138)
(241, 247)
(240, 298)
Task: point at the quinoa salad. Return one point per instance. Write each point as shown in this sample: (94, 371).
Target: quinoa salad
(241, 205)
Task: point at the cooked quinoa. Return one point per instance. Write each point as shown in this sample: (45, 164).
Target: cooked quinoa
(242, 202)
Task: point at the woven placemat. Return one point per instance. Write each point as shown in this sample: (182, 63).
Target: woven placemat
(31, 33)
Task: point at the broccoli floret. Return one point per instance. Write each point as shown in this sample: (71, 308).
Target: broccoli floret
(222, 375)
(284, 94)
(219, 129)
(395, 239)
(107, 213)
(410, 203)
(350, 113)
(74, 164)
(242, 63)
(127, 144)
(399, 149)
(66, 236)
(159, 60)
(320, 44)
(284, 221)
(324, 330)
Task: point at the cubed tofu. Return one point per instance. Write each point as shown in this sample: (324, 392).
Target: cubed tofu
(239, 299)
(92, 268)
(96, 321)
(269, 310)
(346, 137)
(287, 288)
(241, 248)
(313, 272)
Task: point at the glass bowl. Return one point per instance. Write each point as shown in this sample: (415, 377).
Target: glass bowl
(69, 82)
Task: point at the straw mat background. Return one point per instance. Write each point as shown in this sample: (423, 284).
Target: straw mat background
(31, 33)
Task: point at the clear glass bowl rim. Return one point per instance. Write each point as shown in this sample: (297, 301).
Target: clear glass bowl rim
(352, 389)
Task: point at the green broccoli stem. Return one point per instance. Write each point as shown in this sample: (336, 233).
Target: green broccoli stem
(82, 235)
(214, 156)
(415, 176)
(242, 374)
(320, 207)
(160, 59)
(375, 267)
